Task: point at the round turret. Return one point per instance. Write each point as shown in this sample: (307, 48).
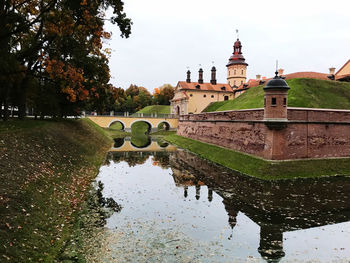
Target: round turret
(275, 101)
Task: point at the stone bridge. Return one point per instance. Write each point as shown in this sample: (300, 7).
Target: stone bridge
(170, 121)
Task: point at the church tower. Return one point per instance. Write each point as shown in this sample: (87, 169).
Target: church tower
(236, 66)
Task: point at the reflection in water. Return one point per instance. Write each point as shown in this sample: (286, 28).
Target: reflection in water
(118, 142)
(141, 141)
(277, 208)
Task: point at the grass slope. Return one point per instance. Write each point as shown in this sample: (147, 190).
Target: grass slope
(304, 92)
(159, 109)
(260, 168)
(46, 168)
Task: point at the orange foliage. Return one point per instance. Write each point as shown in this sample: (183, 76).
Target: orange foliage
(72, 77)
(156, 91)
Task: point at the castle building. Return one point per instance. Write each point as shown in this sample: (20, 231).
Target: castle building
(193, 97)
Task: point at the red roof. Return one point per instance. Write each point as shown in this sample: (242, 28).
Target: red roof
(204, 86)
(310, 75)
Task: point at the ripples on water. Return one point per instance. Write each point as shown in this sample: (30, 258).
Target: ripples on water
(172, 206)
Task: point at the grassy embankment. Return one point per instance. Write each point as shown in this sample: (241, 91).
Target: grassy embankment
(46, 168)
(260, 168)
(159, 109)
(307, 93)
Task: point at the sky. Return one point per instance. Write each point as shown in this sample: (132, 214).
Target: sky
(169, 36)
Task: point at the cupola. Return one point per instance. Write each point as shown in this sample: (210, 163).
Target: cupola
(275, 101)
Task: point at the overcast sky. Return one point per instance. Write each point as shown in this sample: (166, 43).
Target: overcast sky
(170, 35)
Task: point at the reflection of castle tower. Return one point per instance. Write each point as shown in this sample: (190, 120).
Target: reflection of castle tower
(236, 66)
(271, 243)
(232, 213)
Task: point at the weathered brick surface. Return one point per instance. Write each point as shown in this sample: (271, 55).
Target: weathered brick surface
(310, 133)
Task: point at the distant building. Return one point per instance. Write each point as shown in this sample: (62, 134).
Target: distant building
(343, 74)
(194, 97)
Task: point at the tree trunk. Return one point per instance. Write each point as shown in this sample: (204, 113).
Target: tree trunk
(22, 98)
(6, 112)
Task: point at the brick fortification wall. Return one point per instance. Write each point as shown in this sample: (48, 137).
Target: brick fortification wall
(309, 133)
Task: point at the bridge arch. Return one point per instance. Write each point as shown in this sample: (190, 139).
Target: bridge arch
(117, 121)
(166, 123)
(150, 125)
(118, 143)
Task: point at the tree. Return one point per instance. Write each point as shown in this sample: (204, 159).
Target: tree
(163, 94)
(140, 97)
(59, 44)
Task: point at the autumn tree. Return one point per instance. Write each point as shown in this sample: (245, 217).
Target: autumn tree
(57, 43)
(163, 95)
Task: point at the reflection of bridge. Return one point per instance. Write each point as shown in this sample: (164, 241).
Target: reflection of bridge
(170, 121)
(150, 145)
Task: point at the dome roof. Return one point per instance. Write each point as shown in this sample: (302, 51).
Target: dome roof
(277, 83)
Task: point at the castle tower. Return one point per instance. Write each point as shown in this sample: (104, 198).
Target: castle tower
(236, 66)
(276, 99)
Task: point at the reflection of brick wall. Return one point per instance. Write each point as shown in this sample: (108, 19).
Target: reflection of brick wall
(310, 133)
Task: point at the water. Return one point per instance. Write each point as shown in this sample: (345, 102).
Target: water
(172, 206)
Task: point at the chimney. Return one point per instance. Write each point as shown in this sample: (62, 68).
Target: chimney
(188, 80)
(258, 77)
(332, 70)
(280, 71)
(200, 79)
(213, 76)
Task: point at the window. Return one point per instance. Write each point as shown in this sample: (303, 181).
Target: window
(274, 102)
(242, 71)
(204, 95)
(191, 95)
(212, 96)
(265, 102)
(226, 98)
(285, 102)
(198, 87)
(234, 83)
(241, 81)
(235, 72)
(223, 88)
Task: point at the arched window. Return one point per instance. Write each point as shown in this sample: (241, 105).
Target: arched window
(235, 72)
(242, 71)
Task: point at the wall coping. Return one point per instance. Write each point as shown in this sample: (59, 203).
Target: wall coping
(261, 109)
(317, 109)
(254, 109)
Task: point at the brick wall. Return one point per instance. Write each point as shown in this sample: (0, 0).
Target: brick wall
(309, 133)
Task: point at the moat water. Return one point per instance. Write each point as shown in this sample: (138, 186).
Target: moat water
(168, 205)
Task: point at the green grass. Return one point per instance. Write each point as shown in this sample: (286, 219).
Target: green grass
(116, 126)
(304, 92)
(46, 168)
(163, 133)
(139, 127)
(260, 168)
(159, 109)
